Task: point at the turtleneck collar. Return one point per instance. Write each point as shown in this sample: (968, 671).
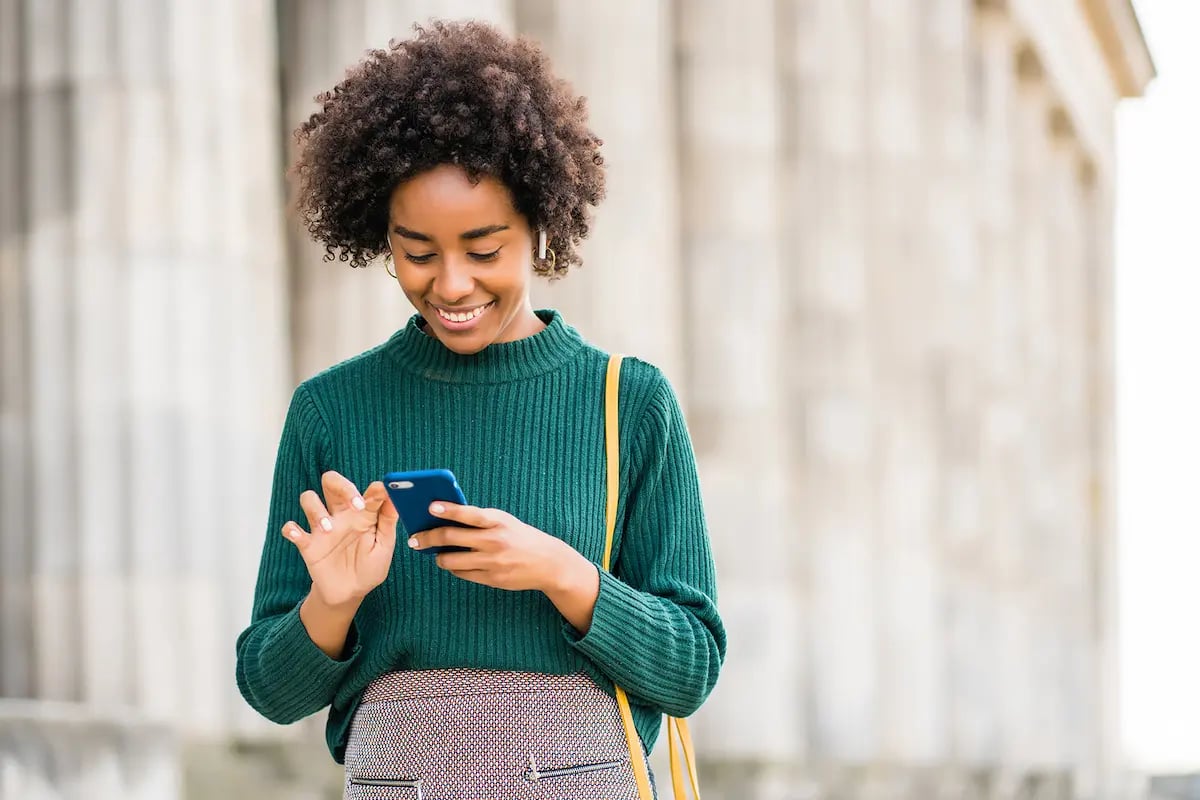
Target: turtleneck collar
(542, 352)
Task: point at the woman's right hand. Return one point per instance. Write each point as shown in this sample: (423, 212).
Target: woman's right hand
(349, 550)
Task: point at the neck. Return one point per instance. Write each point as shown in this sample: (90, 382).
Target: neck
(524, 325)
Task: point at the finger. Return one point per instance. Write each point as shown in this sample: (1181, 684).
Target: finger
(462, 562)
(481, 576)
(374, 497)
(314, 509)
(386, 516)
(443, 537)
(467, 515)
(340, 492)
(296, 535)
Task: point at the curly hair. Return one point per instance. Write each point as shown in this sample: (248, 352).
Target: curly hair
(456, 93)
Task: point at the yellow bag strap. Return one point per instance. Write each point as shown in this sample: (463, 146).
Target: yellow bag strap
(641, 772)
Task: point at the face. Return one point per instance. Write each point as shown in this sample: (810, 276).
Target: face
(463, 257)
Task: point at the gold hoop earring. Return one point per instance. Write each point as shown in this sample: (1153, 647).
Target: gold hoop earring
(386, 261)
(553, 259)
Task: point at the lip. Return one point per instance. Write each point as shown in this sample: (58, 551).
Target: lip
(460, 327)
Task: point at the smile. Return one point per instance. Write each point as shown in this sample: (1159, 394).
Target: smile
(462, 319)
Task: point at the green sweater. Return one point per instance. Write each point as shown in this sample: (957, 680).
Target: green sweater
(521, 424)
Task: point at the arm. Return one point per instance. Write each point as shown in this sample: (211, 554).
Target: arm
(655, 630)
(281, 670)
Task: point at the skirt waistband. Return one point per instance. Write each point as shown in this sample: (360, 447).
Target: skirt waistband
(414, 684)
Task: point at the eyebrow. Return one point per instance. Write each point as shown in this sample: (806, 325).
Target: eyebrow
(476, 233)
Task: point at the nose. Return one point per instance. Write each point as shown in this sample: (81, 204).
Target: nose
(454, 280)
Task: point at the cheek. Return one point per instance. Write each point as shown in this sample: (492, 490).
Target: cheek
(410, 281)
(512, 277)
(413, 291)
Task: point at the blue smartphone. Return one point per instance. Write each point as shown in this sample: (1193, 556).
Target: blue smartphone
(413, 492)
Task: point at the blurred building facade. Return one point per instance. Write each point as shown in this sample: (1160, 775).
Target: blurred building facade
(868, 240)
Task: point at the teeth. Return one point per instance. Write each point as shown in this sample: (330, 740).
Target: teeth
(462, 317)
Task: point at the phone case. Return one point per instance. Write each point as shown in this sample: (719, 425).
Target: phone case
(413, 492)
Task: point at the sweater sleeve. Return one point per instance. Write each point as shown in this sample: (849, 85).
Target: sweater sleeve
(655, 629)
(280, 671)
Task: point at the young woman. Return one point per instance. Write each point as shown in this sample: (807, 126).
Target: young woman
(487, 673)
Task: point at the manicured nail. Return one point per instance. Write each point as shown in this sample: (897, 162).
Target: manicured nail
(358, 503)
(437, 508)
(293, 533)
(412, 541)
(327, 523)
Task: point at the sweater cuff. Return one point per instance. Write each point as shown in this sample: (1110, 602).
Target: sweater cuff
(290, 657)
(618, 618)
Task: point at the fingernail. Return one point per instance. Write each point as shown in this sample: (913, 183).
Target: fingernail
(327, 523)
(437, 508)
(292, 533)
(358, 503)
(412, 541)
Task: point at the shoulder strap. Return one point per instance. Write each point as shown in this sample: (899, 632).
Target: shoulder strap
(612, 451)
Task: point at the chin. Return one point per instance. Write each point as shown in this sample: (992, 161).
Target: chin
(465, 348)
(463, 344)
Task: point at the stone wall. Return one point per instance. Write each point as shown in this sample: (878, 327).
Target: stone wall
(59, 751)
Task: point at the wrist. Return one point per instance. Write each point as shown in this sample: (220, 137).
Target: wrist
(571, 574)
(337, 608)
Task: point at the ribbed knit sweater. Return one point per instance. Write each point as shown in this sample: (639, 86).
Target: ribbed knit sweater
(521, 424)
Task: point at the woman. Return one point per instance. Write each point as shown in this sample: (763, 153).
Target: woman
(486, 673)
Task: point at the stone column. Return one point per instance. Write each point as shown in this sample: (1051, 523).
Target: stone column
(736, 230)
(630, 294)
(1075, 580)
(49, 270)
(16, 557)
(101, 282)
(908, 111)
(1000, 327)
(339, 312)
(205, 339)
(951, 91)
(1034, 603)
(831, 383)
(233, 344)
(1098, 194)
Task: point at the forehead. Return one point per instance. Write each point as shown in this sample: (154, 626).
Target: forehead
(445, 198)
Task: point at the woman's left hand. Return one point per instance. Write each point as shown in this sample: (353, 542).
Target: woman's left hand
(505, 552)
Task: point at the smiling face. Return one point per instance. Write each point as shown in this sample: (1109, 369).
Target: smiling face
(463, 257)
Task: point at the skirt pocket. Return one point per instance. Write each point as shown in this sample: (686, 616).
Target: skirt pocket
(583, 780)
(365, 787)
(535, 774)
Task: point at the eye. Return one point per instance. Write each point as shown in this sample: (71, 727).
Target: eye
(419, 259)
(485, 256)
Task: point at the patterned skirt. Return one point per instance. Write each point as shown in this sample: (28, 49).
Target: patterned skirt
(465, 734)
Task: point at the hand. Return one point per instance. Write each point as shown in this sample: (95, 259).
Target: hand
(505, 552)
(349, 550)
